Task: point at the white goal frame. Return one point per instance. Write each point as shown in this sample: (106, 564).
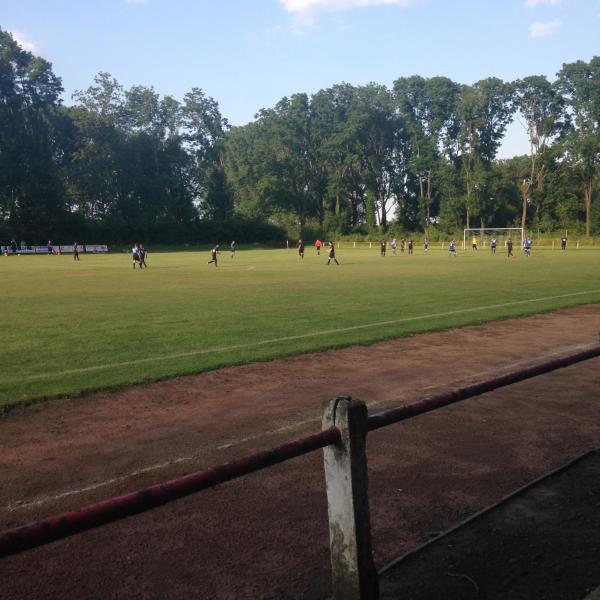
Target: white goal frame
(481, 231)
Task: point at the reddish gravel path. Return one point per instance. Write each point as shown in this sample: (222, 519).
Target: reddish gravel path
(265, 536)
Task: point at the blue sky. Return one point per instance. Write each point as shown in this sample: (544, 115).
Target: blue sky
(247, 54)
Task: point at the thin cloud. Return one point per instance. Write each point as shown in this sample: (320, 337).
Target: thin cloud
(537, 30)
(136, 1)
(304, 11)
(273, 30)
(23, 42)
(534, 3)
(298, 6)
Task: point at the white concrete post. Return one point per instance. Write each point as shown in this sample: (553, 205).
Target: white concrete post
(353, 572)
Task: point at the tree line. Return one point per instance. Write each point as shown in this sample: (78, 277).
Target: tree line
(421, 156)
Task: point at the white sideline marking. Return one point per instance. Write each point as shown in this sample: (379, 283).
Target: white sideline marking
(17, 505)
(291, 338)
(45, 499)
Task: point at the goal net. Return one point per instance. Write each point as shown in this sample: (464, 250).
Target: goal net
(483, 237)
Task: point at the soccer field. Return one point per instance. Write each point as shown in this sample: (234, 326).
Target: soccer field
(73, 327)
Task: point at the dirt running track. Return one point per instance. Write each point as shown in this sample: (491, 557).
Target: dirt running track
(265, 535)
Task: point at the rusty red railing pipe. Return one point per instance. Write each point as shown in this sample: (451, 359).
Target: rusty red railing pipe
(64, 525)
(394, 415)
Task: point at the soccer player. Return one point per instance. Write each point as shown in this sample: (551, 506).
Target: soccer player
(213, 255)
(50, 247)
(474, 243)
(493, 244)
(142, 252)
(509, 247)
(452, 249)
(135, 255)
(382, 246)
(563, 243)
(393, 244)
(318, 245)
(527, 246)
(332, 254)
(232, 247)
(300, 245)
(402, 242)
(410, 247)
(75, 251)
(425, 245)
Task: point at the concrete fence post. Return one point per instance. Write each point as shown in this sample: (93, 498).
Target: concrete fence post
(353, 572)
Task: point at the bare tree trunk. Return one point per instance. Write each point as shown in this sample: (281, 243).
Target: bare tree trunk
(587, 198)
(525, 189)
(383, 217)
(428, 208)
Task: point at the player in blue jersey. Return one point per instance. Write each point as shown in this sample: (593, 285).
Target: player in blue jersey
(452, 249)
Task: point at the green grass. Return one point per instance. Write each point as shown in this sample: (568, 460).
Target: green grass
(72, 327)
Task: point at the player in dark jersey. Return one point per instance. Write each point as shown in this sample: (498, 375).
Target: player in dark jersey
(143, 253)
(75, 251)
(382, 246)
(410, 246)
(300, 248)
(332, 254)
(563, 243)
(213, 255)
(509, 247)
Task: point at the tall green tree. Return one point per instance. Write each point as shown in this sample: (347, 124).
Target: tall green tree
(31, 144)
(484, 111)
(381, 138)
(542, 109)
(427, 108)
(579, 83)
(204, 131)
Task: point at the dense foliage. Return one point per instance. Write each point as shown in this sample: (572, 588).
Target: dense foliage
(121, 164)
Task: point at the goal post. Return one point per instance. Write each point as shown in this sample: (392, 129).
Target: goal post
(485, 233)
